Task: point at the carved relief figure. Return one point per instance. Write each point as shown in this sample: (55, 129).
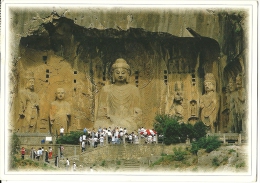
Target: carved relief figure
(177, 107)
(231, 99)
(119, 102)
(193, 108)
(29, 106)
(240, 104)
(60, 112)
(209, 102)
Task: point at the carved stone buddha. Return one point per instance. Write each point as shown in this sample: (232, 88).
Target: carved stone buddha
(60, 112)
(119, 102)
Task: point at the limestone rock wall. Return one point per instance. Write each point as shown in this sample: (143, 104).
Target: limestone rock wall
(75, 48)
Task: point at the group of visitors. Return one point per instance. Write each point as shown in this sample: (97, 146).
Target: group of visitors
(38, 154)
(117, 135)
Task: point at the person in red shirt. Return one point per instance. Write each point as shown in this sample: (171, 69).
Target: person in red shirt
(23, 152)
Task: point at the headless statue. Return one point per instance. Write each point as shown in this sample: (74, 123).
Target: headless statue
(59, 112)
(119, 102)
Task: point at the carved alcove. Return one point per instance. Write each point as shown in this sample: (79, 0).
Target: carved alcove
(79, 59)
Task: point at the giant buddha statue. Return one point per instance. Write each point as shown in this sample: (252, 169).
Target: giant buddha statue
(119, 102)
(60, 112)
(209, 103)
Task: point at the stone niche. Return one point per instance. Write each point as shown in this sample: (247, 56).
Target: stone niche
(168, 70)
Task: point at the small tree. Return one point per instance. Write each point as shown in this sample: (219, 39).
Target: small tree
(71, 138)
(171, 132)
(186, 130)
(14, 150)
(207, 143)
(174, 132)
(199, 130)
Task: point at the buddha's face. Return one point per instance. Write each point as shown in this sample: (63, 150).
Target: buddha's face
(209, 86)
(120, 75)
(30, 84)
(60, 93)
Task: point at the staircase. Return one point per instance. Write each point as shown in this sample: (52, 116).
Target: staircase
(121, 152)
(131, 165)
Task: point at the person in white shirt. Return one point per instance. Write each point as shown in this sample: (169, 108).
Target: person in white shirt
(39, 153)
(149, 139)
(80, 140)
(95, 142)
(61, 131)
(121, 134)
(74, 166)
(130, 138)
(101, 140)
(84, 137)
(154, 139)
(125, 131)
(109, 136)
(67, 164)
(83, 145)
(136, 139)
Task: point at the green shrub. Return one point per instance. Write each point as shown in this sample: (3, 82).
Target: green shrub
(118, 162)
(199, 130)
(240, 165)
(103, 163)
(208, 143)
(172, 132)
(215, 161)
(71, 138)
(179, 155)
(186, 131)
(14, 150)
(231, 150)
(175, 132)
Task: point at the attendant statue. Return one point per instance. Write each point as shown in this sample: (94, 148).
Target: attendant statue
(119, 102)
(209, 103)
(232, 112)
(60, 113)
(29, 106)
(240, 105)
(177, 107)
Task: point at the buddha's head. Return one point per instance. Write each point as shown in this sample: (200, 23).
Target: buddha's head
(120, 71)
(60, 93)
(210, 82)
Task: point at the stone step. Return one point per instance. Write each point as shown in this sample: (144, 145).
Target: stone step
(131, 165)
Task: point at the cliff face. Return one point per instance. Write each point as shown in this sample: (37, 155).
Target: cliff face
(75, 50)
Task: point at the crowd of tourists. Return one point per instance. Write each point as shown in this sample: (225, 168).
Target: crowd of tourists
(117, 135)
(39, 154)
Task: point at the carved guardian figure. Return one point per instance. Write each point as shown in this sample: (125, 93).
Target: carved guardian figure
(209, 102)
(240, 105)
(29, 106)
